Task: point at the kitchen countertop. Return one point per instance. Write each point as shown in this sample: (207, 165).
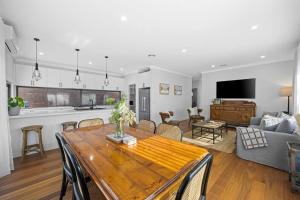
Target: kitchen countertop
(44, 112)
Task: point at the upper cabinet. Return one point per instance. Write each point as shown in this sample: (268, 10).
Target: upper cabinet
(61, 78)
(24, 76)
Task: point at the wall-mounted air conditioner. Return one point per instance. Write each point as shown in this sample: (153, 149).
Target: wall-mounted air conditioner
(11, 39)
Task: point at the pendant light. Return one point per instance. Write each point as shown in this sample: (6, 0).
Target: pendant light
(77, 77)
(106, 81)
(36, 75)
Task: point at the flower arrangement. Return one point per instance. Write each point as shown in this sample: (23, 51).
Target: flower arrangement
(121, 114)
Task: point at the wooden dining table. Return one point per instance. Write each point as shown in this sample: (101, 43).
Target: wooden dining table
(153, 168)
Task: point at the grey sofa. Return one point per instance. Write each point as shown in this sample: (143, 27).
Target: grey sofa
(275, 155)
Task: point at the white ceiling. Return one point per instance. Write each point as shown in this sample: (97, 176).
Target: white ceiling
(212, 32)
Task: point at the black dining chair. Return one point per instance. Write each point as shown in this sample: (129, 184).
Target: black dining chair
(79, 185)
(67, 172)
(195, 182)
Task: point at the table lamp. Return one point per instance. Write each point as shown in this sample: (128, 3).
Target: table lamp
(286, 92)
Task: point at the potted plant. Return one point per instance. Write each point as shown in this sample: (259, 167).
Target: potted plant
(122, 115)
(110, 101)
(14, 105)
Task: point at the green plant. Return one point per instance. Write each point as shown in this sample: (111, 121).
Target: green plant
(15, 101)
(110, 101)
(122, 114)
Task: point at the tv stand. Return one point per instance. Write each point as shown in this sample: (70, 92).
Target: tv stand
(236, 113)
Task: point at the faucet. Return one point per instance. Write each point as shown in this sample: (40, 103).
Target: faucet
(92, 106)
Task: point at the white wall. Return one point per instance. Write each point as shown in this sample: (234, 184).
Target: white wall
(176, 103)
(160, 103)
(5, 150)
(269, 79)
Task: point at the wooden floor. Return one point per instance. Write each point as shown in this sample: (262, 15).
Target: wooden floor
(231, 178)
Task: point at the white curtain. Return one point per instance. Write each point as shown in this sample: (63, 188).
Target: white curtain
(296, 83)
(5, 145)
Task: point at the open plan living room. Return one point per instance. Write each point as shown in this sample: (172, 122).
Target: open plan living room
(150, 99)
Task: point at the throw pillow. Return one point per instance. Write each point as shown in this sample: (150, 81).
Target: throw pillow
(194, 111)
(287, 126)
(269, 123)
(297, 117)
(283, 115)
(273, 114)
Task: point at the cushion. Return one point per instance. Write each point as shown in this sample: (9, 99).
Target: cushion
(274, 114)
(252, 138)
(287, 125)
(270, 123)
(297, 117)
(194, 111)
(283, 115)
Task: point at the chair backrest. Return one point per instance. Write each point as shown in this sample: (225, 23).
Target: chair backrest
(146, 125)
(66, 165)
(80, 189)
(194, 184)
(169, 131)
(90, 122)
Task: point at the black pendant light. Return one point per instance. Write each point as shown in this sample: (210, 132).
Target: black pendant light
(106, 81)
(77, 77)
(36, 75)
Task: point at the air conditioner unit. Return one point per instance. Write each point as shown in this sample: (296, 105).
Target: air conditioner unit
(11, 39)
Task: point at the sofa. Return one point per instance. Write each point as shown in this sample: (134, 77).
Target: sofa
(275, 154)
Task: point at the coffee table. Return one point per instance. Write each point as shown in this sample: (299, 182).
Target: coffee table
(215, 128)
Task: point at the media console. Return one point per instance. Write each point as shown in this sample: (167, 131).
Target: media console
(236, 113)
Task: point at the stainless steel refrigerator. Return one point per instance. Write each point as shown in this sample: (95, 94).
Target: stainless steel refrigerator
(144, 103)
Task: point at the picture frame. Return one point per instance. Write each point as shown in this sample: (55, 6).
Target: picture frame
(164, 89)
(177, 90)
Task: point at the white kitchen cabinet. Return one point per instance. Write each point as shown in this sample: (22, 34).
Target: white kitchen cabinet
(53, 77)
(66, 78)
(24, 76)
(10, 67)
(89, 81)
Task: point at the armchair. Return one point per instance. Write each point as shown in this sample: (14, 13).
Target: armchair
(165, 118)
(195, 118)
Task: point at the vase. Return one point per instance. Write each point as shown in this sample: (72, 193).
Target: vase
(119, 130)
(14, 111)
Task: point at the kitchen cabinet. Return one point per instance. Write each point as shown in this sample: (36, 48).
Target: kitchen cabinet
(24, 76)
(61, 78)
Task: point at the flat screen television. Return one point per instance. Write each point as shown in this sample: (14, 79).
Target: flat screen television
(236, 89)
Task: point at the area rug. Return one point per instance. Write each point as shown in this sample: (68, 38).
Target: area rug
(225, 144)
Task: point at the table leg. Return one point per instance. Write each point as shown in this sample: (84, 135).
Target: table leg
(213, 136)
(193, 131)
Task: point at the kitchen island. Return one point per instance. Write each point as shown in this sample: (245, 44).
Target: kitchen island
(50, 119)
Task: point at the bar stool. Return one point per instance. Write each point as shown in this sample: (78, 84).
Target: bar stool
(69, 125)
(33, 147)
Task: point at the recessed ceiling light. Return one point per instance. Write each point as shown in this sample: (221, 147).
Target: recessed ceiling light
(123, 18)
(262, 57)
(213, 66)
(41, 53)
(121, 69)
(254, 27)
(90, 63)
(183, 50)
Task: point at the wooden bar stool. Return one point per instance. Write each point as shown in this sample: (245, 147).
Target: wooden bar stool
(69, 125)
(33, 147)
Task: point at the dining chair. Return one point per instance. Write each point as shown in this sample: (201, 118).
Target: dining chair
(90, 122)
(146, 125)
(169, 131)
(67, 174)
(79, 185)
(195, 182)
